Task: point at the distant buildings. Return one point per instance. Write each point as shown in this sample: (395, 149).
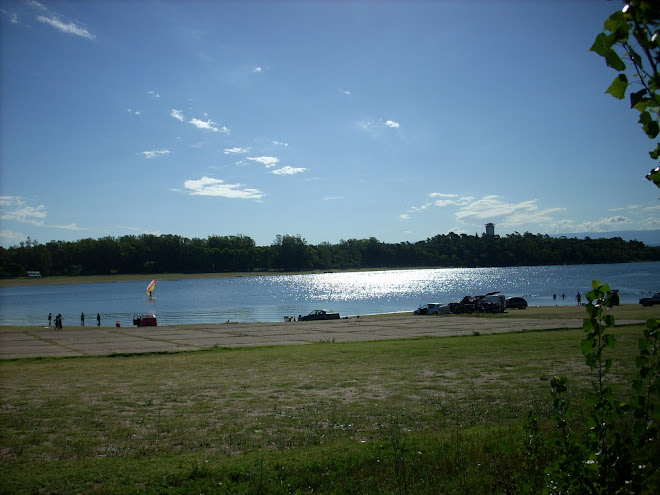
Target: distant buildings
(490, 229)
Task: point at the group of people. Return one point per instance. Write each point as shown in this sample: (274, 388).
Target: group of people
(58, 320)
(578, 298)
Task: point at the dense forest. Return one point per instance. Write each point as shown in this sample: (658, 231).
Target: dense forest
(239, 253)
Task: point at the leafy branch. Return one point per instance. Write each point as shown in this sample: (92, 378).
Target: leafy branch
(627, 33)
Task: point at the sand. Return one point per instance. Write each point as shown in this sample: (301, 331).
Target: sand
(34, 342)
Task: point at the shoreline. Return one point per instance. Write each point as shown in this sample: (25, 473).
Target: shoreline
(623, 311)
(76, 341)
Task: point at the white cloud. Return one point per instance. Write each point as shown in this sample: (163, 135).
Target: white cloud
(235, 151)
(207, 186)
(35, 4)
(257, 69)
(442, 195)
(134, 112)
(69, 28)
(391, 123)
(267, 161)
(208, 125)
(177, 114)
(345, 91)
(279, 143)
(13, 17)
(71, 226)
(650, 223)
(16, 209)
(10, 238)
(404, 216)
(155, 153)
(490, 207)
(153, 94)
(288, 170)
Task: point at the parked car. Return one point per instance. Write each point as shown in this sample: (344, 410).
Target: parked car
(427, 309)
(650, 301)
(146, 320)
(516, 303)
(319, 314)
(433, 309)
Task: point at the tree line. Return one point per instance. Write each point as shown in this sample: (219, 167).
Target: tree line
(238, 253)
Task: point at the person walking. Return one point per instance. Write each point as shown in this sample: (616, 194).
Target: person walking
(58, 321)
(579, 299)
(50, 318)
(82, 319)
(98, 319)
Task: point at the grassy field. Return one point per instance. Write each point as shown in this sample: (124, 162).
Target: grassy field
(430, 415)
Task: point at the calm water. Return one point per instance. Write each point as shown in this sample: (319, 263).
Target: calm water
(271, 298)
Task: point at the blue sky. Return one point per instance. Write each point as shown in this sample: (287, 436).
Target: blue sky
(331, 120)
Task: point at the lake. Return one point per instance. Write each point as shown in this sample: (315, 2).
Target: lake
(270, 298)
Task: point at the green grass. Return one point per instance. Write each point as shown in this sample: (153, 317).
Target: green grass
(428, 415)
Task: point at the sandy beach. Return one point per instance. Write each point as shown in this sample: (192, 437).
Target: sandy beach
(36, 342)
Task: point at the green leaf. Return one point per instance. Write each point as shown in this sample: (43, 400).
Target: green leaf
(617, 22)
(602, 44)
(655, 154)
(639, 101)
(618, 86)
(652, 129)
(587, 347)
(643, 344)
(591, 399)
(654, 176)
(613, 60)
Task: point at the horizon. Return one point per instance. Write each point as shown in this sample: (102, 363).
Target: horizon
(332, 121)
(650, 238)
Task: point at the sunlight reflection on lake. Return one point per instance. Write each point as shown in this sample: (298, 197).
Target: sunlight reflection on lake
(270, 298)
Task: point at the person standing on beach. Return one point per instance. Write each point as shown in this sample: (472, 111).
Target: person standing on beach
(579, 299)
(50, 318)
(58, 321)
(82, 319)
(98, 319)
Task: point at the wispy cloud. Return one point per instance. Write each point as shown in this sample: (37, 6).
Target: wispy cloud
(267, 161)
(71, 226)
(493, 209)
(68, 28)
(280, 143)
(15, 208)
(177, 114)
(153, 94)
(288, 170)
(134, 112)
(376, 127)
(13, 17)
(11, 238)
(154, 153)
(207, 186)
(236, 151)
(257, 69)
(208, 125)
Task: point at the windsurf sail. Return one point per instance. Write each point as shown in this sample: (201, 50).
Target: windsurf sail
(151, 287)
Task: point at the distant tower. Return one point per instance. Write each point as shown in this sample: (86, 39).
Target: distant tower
(490, 229)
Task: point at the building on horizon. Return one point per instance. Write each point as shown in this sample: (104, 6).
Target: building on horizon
(490, 229)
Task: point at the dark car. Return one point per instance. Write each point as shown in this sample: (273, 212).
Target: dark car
(516, 303)
(650, 301)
